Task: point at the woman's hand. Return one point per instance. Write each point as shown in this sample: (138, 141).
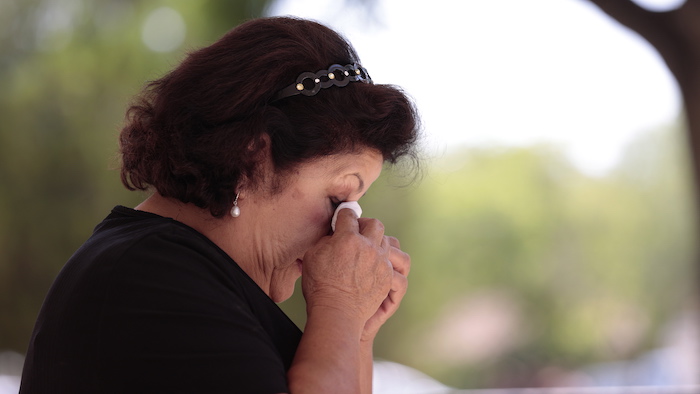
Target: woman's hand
(401, 264)
(351, 271)
(359, 270)
(353, 282)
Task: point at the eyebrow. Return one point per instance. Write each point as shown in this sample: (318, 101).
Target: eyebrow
(362, 183)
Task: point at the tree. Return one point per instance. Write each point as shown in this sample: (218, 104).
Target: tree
(676, 36)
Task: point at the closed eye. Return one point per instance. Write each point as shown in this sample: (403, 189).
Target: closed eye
(334, 202)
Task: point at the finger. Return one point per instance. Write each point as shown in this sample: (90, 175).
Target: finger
(399, 285)
(400, 261)
(393, 241)
(385, 245)
(347, 221)
(398, 291)
(372, 229)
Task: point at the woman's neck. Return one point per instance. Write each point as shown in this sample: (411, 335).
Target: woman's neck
(228, 234)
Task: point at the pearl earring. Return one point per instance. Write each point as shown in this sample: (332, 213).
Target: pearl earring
(235, 211)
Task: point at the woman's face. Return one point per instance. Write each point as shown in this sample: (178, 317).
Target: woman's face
(287, 224)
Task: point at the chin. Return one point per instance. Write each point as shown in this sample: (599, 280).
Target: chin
(283, 294)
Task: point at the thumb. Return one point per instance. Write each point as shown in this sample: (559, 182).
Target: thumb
(352, 206)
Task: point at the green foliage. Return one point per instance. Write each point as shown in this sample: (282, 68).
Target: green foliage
(591, 268)
(68, 69)
(576, 268)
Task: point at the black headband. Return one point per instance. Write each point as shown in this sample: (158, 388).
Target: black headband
(309, 83)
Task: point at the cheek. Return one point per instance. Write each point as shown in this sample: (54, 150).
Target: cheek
(320, 219)
(312, 215)
(315, 222)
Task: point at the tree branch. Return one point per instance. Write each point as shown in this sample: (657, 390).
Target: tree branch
(660, 29)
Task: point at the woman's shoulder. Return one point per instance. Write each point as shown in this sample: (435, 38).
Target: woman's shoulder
(140, 259)
(135, 252)
(127, 234)
(145, 288)
(126, 225)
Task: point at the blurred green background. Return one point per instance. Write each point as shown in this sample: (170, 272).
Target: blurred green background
(524, 269)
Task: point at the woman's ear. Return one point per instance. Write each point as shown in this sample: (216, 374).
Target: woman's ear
(261, 152)
(264, 176)
(260, 145)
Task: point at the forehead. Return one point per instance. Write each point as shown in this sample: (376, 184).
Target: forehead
(366, 164)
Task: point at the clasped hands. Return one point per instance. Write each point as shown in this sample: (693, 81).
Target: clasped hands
(357, 271)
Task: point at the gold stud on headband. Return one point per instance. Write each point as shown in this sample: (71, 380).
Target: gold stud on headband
(309, 83)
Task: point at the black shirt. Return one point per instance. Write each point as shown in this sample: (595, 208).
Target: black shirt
(148, 304)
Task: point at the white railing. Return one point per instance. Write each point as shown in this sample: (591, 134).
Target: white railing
(588, 390)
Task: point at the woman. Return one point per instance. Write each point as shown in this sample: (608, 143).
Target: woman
(248, 146)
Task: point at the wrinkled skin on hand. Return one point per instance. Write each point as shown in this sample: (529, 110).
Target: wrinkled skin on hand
(358, 270)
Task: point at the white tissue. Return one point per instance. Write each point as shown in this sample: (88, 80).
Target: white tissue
(350, 205)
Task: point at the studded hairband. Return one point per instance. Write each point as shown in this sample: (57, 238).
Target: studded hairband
(309, 83)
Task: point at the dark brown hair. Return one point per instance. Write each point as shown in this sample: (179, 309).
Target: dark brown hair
(197, 132)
